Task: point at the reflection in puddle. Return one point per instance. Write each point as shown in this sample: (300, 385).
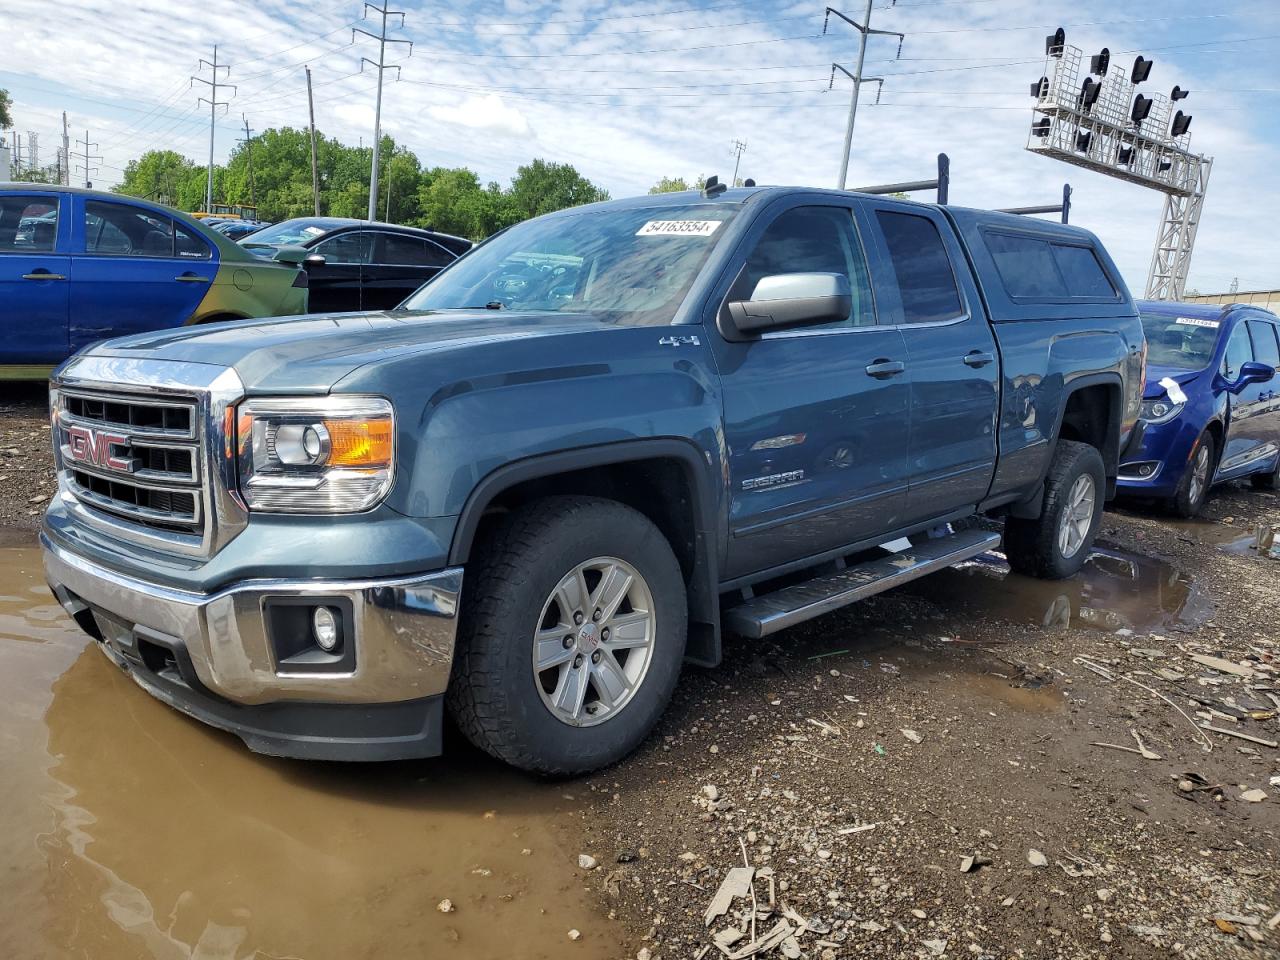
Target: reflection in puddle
(1115, 590)
(130, 831)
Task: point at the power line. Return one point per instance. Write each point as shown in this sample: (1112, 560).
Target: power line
(88, 159)
(381, 65)
(214, 104)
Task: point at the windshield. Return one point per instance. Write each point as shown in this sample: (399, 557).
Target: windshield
(1183, 342)
(291, 232)
(629, 266)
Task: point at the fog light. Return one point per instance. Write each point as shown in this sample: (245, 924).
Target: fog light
(324, 625)
(1146, 470)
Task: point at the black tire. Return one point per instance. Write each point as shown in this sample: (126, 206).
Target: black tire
(1267, 481)
(1033, 546)
(1191, 497)
(494, 694)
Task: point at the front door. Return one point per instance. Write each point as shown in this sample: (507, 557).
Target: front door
(337, 284)
(816, 418)
(139, 271)
(35, 276)
(402, 264)
(955, 370)
(1247, 440)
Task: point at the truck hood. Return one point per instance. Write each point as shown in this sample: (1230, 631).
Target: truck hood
(309, 354)
(1156, 373)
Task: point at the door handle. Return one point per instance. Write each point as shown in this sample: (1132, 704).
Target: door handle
(884, 369)
(42, 275)
(977, 358)
(192, 278)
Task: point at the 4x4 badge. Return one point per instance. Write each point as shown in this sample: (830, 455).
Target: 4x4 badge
(686, 341)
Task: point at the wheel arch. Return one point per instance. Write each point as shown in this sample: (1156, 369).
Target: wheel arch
(1092, 411)
(666, 479)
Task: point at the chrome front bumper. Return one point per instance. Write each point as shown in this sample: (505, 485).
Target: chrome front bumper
(404, 632)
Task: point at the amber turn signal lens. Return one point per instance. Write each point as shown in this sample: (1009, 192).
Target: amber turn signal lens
(359, 443)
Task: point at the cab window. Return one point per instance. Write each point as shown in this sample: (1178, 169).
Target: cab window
(1239, 352)
(813, 240)
(116, 229)
(27, 224)
(926, 282)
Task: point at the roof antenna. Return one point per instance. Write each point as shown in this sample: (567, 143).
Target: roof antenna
(713, 187)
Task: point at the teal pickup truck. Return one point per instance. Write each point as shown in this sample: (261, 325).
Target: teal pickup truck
(570, 462)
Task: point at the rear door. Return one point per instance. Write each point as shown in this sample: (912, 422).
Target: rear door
(929, 294)
(35, 276)
(1247, 423)
(402, 263)
(1266, 350)
(135, 270)
(816, 418)
(338, 284)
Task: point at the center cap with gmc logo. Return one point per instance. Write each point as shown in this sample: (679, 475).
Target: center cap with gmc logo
(98, 448)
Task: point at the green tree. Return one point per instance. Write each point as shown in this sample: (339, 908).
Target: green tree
(6, 110)
(670, 185)
(165, 176)
(541, 187)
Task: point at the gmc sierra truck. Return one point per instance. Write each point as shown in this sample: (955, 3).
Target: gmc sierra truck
(576, 458)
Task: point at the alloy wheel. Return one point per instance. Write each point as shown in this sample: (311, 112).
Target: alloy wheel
(1077, 518)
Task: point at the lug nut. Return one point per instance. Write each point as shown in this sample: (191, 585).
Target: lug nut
(595, 657)
(577, 616)
(577, 661)
(568, 642)
(596, 616)
(604, 634)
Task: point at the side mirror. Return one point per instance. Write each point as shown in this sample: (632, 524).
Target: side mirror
(293, 256)
(1252, 372)
(793, 300)
(315, 260)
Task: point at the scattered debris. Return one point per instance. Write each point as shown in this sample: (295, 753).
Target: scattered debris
(1224, 666)
(586, 861)
(975, 862)
(1036, 858)
(913, 736)
(736, 883)
(445, 906)
(575, 934)
(1253, 796)
(845, 831)
(1261, 741)
(936, 947)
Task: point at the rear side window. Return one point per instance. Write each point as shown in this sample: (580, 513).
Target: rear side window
(1026, 267)
(116, 229)
(1264, 342)
(27, 224)
(353, 247)
(397, 249)
(188, 246)
(926, 282)
(1082, 272)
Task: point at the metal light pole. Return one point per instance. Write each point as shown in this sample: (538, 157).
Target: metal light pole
(864, 30)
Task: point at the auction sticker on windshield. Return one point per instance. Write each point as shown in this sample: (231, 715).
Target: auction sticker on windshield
(678, 228)
(1197, 322)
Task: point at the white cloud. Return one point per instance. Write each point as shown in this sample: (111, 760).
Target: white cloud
(484, 113)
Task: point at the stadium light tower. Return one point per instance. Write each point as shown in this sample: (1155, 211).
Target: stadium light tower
(1103, 124)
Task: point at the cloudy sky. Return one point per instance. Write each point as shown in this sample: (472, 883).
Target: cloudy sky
(629, 92)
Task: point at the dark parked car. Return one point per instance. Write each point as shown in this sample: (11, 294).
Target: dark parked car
(1212, 404)
(239, 229)
(356, 264)
(569, 460)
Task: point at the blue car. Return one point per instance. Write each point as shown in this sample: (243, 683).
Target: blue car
(1211, 404)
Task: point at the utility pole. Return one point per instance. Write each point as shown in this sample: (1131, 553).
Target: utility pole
(33, 151)
(864, 30)
(387, 216)
(248, 144)
(65, 179)
(214, 103)
(740, 147)
(381, 37)
(17, 155)
(88, 156)
(315, 171)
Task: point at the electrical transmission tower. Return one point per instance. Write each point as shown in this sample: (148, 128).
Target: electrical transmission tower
(87, 158)
(1102, 123)
(33, 150)
(381, 65)
(214, 103)
(739, 148)
(247, 140)
(65, 179)
(864, 31)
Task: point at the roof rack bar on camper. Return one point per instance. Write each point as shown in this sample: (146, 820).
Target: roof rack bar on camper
(1064, 207)
(941, 183)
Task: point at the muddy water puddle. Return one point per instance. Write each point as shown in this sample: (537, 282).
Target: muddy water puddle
(1116, 590)
(130, 831)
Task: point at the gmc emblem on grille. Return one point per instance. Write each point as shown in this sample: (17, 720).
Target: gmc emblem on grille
(97, 448)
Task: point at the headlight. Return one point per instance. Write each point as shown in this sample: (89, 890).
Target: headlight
(315, 454)
(1160, 411)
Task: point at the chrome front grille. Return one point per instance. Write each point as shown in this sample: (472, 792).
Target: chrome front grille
(145, 451)
(135, 457)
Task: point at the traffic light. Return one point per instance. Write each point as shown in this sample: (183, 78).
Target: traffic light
(1090, 90)
(1141, 108)
(1099, 62)
(1040, 88)
(1083, 139)
(1125, 155)
(1181, 123)
(1054, 43)
(1179, 94)
(1141, 70)
(1040, 128)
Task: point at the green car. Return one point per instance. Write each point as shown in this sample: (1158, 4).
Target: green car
(78, 266)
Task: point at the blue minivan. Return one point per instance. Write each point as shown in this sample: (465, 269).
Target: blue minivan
(1211, 404)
